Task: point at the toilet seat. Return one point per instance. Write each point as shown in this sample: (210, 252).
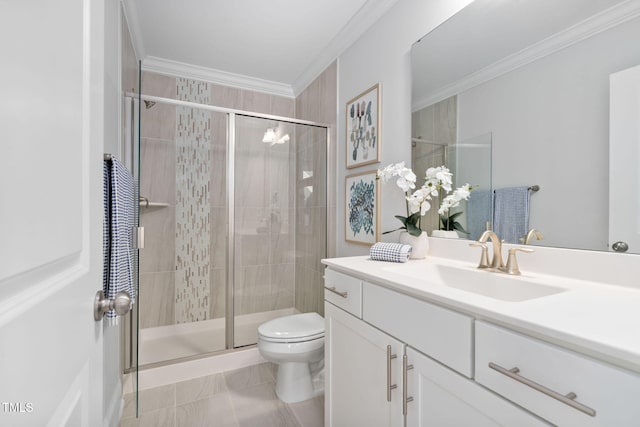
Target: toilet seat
(294, 328)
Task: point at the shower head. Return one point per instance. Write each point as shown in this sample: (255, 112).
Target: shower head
(149, 104)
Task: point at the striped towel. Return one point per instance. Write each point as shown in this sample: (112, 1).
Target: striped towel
(393, 252)
(511, 213)
(119, 219)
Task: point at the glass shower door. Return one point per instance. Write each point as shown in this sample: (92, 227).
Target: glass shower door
(280, 168)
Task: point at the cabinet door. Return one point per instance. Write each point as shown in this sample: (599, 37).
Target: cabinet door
(356, 365)
(444, 398)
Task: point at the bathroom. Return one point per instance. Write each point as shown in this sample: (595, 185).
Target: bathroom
(64, 254)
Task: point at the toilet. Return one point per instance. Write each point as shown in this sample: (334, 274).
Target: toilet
(296, 344)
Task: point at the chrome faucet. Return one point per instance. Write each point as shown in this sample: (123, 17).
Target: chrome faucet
(496, 258)
(497, 264)
(512, 262)
(531, 234)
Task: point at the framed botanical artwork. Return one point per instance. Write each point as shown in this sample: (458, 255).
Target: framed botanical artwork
(361, 208)
(363, 128)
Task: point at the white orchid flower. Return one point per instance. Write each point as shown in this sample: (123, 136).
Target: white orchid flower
(424, 207)
(418, 201)
(463, 192)
(413, 204)
(453, 200)
(405, 184)
(406, 178)
(386, 173)
(436, 180)
(407, 174)
(447, 203)
(439, 177)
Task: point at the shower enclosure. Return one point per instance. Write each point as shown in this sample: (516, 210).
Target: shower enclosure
(234, 206)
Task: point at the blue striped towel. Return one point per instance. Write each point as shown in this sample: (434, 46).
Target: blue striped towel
(511, 213)
(119, 220)
(393, 252)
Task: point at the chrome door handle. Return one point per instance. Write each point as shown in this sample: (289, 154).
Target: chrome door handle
(405, 399)
(389, 385)
(568, 399)
(121, 304)
(333, 289)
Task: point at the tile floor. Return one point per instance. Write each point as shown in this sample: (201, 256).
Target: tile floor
(239, 398)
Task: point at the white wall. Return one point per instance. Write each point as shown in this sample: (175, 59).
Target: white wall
(382, 55)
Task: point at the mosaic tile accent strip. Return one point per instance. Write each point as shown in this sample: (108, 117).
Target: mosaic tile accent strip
(193, 226)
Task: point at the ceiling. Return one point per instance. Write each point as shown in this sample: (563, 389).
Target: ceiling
(277, 46)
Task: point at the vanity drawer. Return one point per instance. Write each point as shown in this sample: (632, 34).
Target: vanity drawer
(343, 291)
(605, 395)
(439, 333)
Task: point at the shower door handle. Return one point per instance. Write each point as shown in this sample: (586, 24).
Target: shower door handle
(121, 304)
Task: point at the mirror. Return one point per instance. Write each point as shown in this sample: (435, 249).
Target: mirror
(535, 76)
(435, 143)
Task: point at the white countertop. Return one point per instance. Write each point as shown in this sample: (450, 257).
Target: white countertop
(600, 320)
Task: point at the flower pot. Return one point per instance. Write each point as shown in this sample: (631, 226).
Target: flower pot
(419, 244)
(447, 234)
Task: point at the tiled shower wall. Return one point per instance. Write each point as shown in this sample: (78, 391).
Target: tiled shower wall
(316, 103)
(158, 183)
(183, 279)
(193, 212)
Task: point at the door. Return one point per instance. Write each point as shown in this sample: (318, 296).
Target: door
(356, 362)
(624, 151)
(52, 132)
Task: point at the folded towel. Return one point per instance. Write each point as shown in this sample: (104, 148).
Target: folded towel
(511, 213)
(119, 220)
(393, 252)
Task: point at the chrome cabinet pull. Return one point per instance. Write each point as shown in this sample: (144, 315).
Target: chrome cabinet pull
(568, 399)
(389, 385)
(333, 289)
(405, 399)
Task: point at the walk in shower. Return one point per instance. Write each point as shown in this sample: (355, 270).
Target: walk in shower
(234, 206)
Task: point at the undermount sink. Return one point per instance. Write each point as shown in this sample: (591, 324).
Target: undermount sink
(499, 286)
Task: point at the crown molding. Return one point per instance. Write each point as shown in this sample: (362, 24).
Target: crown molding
(180, 69)
(133, 24)
(369, 14)
(588, 28)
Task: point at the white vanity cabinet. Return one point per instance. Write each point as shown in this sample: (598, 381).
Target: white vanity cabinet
(394, 359)
(566, 388)
(445, 399)
(362, 379)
